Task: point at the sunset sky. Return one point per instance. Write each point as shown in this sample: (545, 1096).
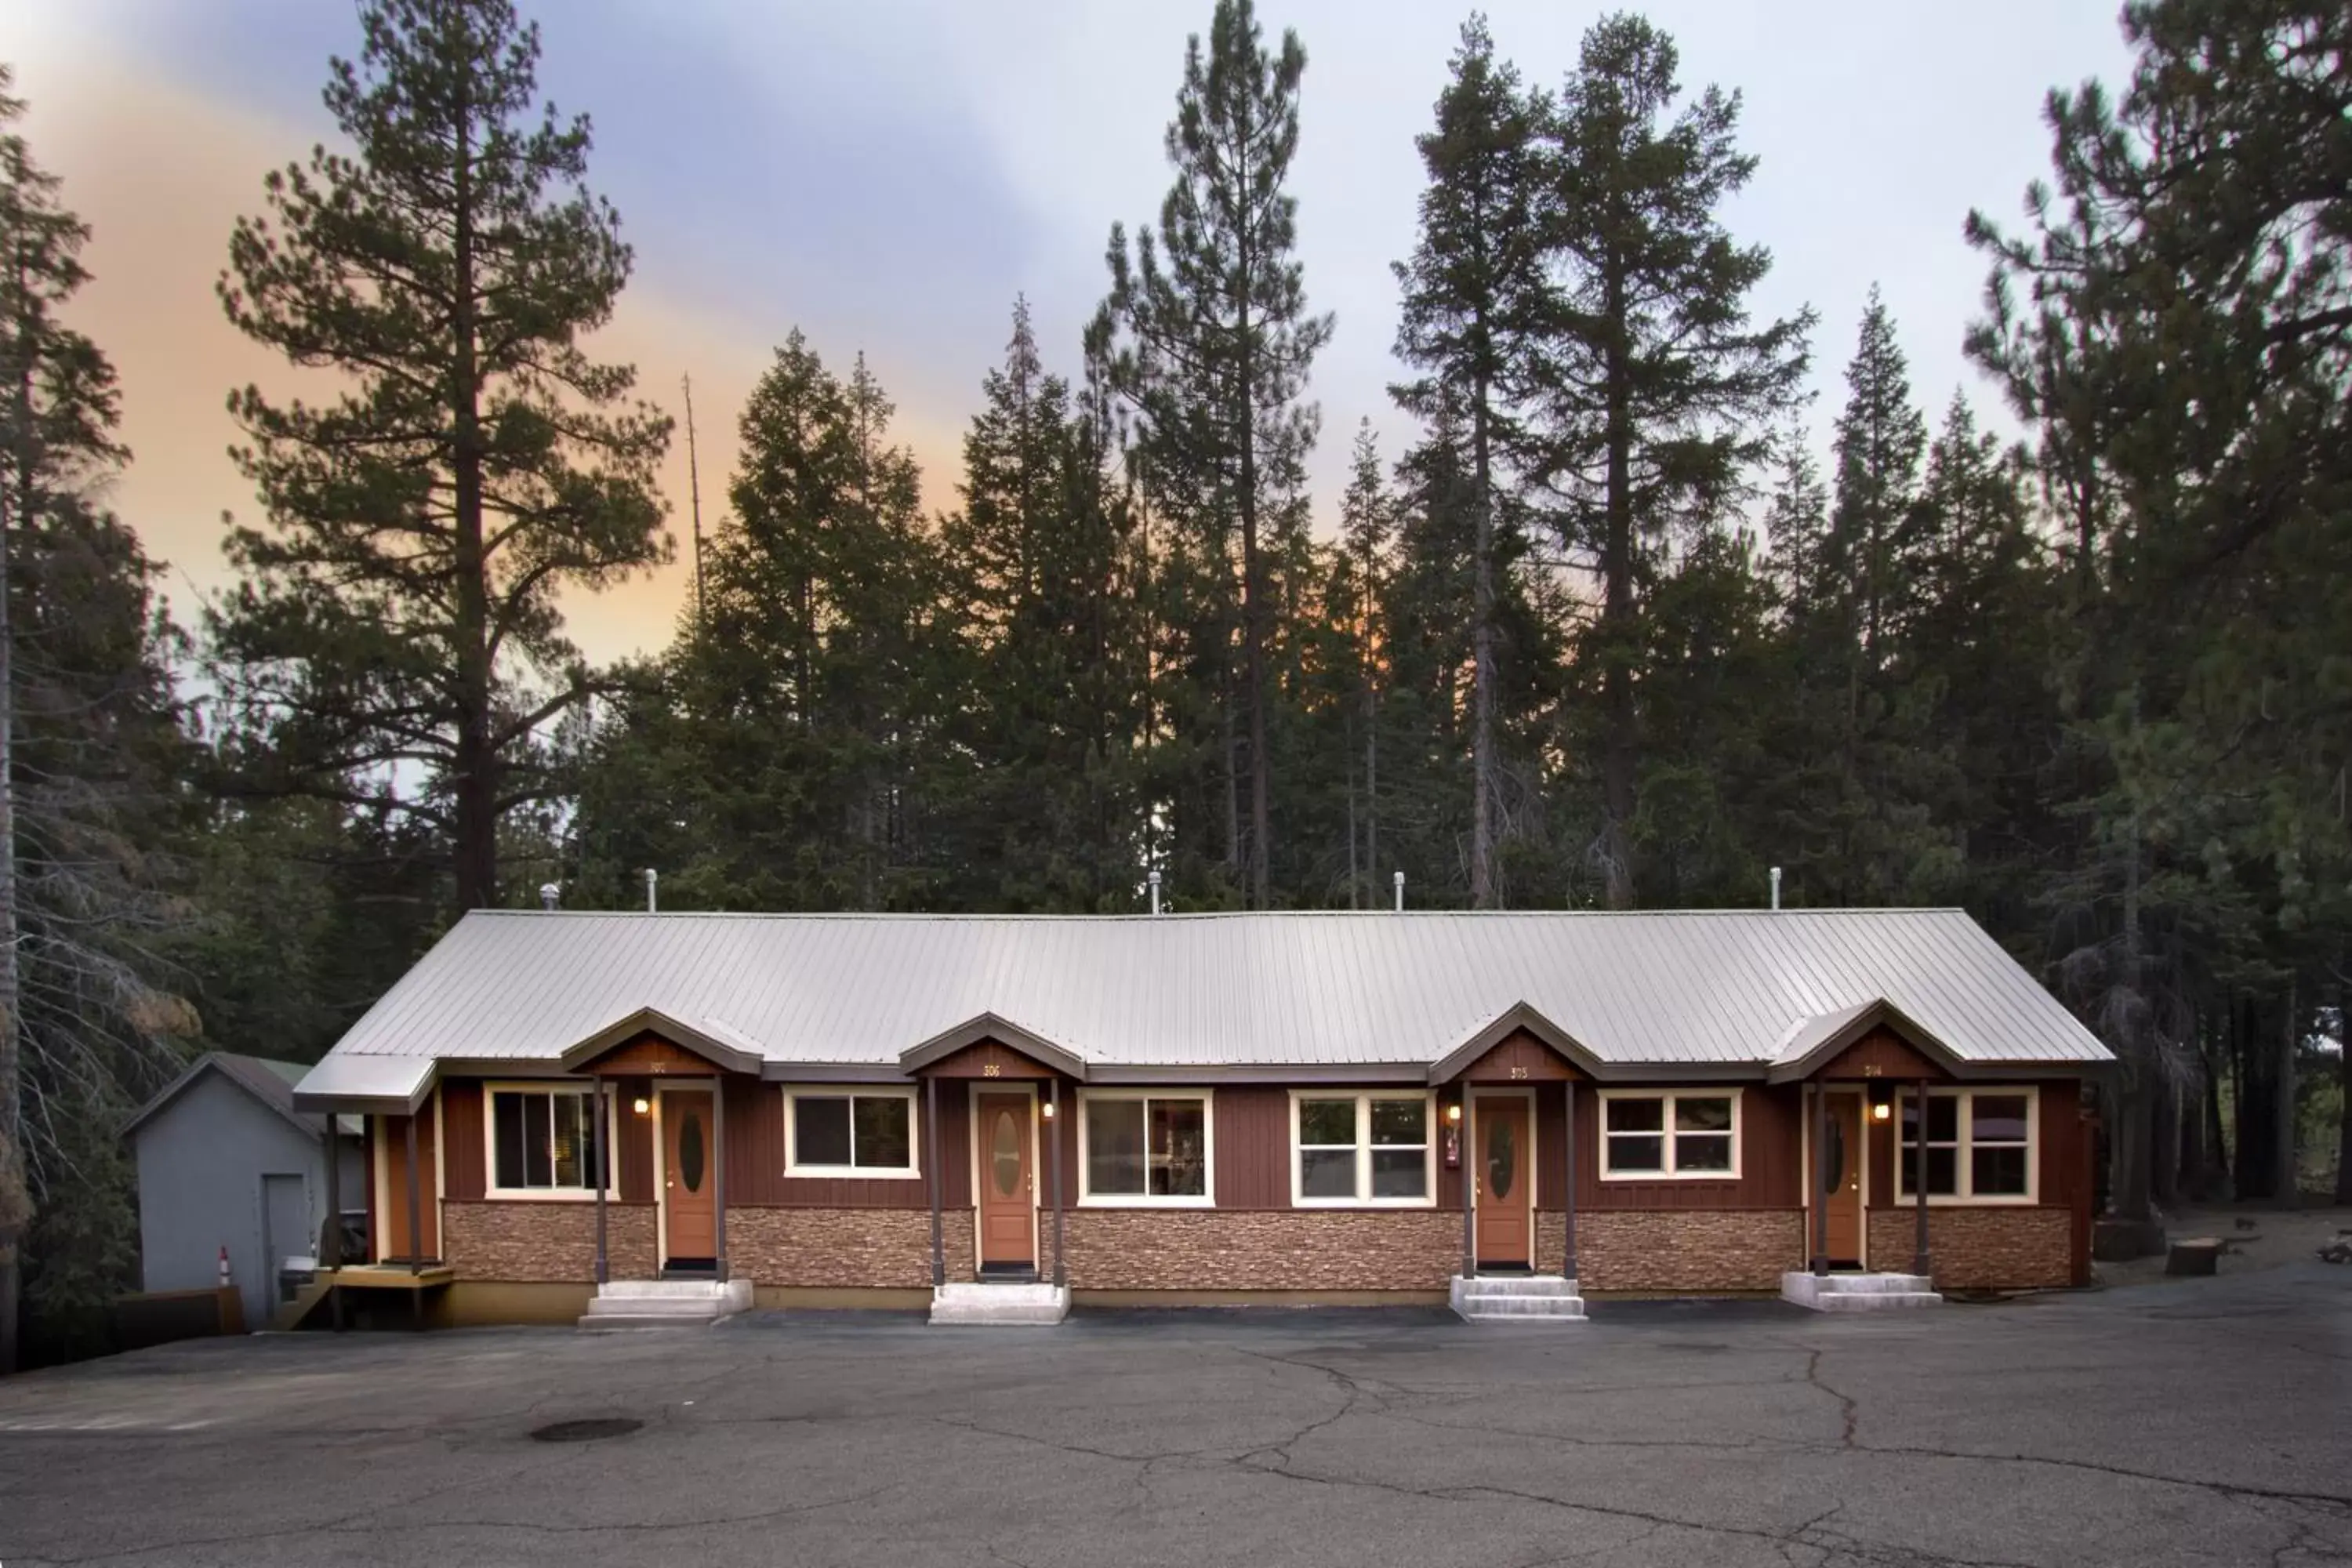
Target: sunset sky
(887, 174)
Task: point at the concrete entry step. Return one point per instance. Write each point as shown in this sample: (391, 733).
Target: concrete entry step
(1517, 1299)
(1858, 1292)
(1001, 1304)
(665, 1304)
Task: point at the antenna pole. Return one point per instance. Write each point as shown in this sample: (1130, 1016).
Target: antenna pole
(694, 491)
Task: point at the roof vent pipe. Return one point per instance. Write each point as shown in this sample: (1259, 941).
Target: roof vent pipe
(551, 895)
(1154, 880)
(1400, 892)
(1776, 886)
(652, 904)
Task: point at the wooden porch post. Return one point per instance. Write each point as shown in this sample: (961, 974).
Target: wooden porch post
(1054, 1098)
(719, 1174)
(1568, 1262)
(330, 1255)
(1820, 1182)
(1920, 1262)
(931, 1139)
(1469, 1166)
(416, 1204)
(603, 1177)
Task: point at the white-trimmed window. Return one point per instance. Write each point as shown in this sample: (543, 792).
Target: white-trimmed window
(1146, 1147)
(1670, 1135)
(541, 1143)
(1981, 1145)
(837, 1131)
(1362, 1149)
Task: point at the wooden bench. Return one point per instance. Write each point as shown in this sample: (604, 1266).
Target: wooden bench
(2196, 1255)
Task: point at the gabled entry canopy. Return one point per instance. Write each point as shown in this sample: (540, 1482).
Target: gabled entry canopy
(987, 1029)
(1518, 1020)
(1818, 1046)
(630, 1033)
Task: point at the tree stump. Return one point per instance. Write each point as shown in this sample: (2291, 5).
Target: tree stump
(2194, 1256)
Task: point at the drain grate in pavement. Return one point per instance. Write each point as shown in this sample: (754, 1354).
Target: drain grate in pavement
(587, 1431)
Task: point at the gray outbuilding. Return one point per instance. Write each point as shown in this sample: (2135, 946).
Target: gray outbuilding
(226, 1162)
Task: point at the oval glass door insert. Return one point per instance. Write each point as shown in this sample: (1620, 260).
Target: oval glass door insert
(1834, 1161)
(1502, 1158)
(689, 1152)
(1005, 1155)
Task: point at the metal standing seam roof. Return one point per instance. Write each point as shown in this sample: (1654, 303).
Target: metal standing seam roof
(1676, 989)
(270, 1081)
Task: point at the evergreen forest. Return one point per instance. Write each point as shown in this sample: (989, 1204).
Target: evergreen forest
(1628, 622)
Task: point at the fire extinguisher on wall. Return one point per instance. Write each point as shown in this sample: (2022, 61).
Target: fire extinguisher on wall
(224, 1267)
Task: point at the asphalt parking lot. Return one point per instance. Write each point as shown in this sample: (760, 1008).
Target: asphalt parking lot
(2198, 1422)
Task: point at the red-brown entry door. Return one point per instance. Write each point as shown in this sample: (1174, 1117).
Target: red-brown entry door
(1506, 1178)
(1008, 1187)
(1841, 1172)
(689, 1169)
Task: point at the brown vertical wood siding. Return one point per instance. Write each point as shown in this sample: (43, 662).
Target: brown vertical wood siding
(978, 1060)
(1253, 1139)
(1770, 1154)
(394, 1132)
(462, 1115)
(1881, 1053)
(1520, 1059)
(464, 1111)
(2058, 1177)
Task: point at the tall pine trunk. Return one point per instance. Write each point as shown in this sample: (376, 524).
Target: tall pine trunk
(1482, 645)
(16, 1191)
(476, 759)
(2287, 1180)
(1252, 609)
(1617, 609)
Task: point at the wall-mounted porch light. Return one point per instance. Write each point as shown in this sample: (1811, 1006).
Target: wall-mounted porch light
(1453, 1135)
(641, 1105)
(1046, 1111)
(1882, 1102)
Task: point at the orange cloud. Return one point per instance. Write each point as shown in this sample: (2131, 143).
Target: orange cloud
(162, 172)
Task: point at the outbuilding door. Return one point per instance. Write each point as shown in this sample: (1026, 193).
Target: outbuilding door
(1503, 1181)
(1007, 1180)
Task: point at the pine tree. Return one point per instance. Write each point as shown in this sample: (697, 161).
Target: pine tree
(91, 757)
(778, 758)
(2178, 323)
(1047, 694)
(400, 614)
(1217, 345)
(1362, 567)
(1655, 389)
(1880, 441)
(1892, 755)
(1471, 295)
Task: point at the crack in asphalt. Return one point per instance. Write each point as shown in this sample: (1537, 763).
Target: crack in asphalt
(1849, 1414)
(349, 1524)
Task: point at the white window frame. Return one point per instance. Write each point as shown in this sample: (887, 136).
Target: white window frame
(1089, 1198)
(912, 1171)
(1964, 1175)
(609, 1093)
(1666, 1097)
(1364, 1099)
